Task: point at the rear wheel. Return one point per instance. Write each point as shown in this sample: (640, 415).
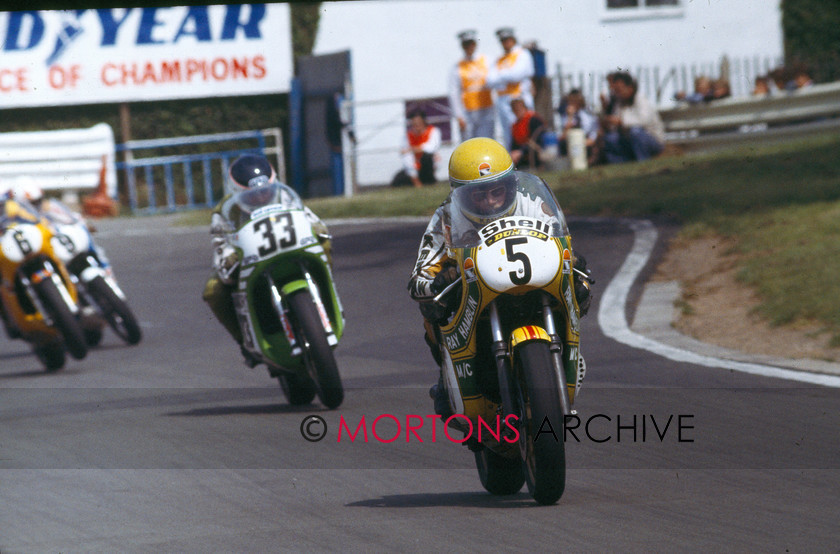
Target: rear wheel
(297, 389)
(116, 311)
(317, 353)
(541, 420)
(52, 355)
(63, 318)
(499, 475)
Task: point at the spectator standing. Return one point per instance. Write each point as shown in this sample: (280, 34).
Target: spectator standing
(420, 151)
(636, 131)
(526, 135)
(469, 96)
(721, 89)
(511, 77)
(761, 86)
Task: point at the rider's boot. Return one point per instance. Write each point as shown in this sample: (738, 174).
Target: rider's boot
(441, 397)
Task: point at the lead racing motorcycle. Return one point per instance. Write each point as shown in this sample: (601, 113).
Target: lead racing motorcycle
(38, 300)
(510, 346)
(285, 298)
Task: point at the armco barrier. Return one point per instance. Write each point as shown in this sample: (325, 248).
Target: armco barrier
(67, 160)
(733, 119)
(190, 178)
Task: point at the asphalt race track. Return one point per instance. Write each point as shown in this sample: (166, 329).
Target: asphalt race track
(174, 445)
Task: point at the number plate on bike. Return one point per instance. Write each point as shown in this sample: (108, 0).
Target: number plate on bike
(517, 255)
(267, 236)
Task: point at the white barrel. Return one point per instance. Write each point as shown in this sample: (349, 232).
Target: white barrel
(576, 141)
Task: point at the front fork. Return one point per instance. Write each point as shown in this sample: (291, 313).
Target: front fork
(503, 356)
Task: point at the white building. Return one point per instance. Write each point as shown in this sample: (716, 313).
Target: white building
(405, 49)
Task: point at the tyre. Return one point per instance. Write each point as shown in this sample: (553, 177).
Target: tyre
(499, 475)
(541, 420)
(317, 353)
(115, 310)
(93, 336)
(52, 355)
(297, 389)
(63, 318)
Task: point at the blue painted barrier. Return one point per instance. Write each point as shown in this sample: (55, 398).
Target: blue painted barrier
(143, 176)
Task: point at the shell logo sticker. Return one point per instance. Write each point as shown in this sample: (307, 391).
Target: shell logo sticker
(484, 169)
(567, 261)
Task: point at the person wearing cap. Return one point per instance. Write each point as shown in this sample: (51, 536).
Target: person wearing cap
(470, 98)
(511, 77)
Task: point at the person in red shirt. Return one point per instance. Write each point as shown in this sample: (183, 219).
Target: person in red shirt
(526, 135)
(421, 144)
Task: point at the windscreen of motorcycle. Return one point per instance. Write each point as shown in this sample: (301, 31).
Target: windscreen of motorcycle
(269, 194)
(532, 200)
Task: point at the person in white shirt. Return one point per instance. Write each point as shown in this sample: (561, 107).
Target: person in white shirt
(511, 77)
(636, 131)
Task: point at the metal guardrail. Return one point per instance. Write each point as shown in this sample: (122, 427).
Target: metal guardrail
(731, 119)
(180, 191)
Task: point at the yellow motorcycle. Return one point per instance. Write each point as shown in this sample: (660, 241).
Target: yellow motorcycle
(509, 339)
(38, 301)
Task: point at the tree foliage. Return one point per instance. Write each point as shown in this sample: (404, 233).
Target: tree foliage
(305, 17)
(812, 36)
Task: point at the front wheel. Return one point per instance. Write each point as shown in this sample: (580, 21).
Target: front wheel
(541, 422)
(317, 353)
(116, 311)
(499, 475)
(63, 318)
(297, 389)
(51, 355)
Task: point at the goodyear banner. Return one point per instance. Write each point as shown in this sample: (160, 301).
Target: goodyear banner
(87, 56)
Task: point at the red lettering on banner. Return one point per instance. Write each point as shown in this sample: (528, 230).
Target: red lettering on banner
(240, 68)
(169, 71)
(219, 76)
(259, 65)
(13, 79)
(196, 66)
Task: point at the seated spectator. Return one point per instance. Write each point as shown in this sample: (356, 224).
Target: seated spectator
(526, 135)
(636, 131)
(761, 86)
(575, 115)
(801, 77)
(721, 89)
(702, 91)
(420, 148)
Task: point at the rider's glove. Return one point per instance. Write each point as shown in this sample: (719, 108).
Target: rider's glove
(444, 278)
(225, 260)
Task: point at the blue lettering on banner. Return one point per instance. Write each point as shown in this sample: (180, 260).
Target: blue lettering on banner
(25, 29)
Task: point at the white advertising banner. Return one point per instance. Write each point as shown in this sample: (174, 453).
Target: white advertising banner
(91, 56)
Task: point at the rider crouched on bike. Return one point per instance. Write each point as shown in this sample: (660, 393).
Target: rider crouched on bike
(251, 184)
(482, 174)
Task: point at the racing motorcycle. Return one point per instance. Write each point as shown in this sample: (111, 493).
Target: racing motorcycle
(509, 340)
(38, 299)
(285, 298)
(91, 273)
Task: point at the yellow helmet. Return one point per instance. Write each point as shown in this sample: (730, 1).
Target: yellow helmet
(483, 181)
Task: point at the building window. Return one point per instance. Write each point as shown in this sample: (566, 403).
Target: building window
(625, 9)
(617, 4)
